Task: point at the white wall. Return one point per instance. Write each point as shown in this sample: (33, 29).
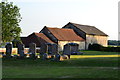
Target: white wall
(62, 43)
(90, 39)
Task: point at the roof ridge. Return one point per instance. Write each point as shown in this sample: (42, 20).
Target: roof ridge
(82, 24)
(58, 28)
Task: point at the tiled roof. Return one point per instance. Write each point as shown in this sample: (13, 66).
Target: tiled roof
(65, 34)
(89, 29)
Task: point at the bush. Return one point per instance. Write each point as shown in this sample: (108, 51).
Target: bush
(96, 47)
(111, 49)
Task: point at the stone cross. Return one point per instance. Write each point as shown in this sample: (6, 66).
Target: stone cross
(8, 50)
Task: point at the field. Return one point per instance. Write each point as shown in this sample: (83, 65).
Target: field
(102, 67)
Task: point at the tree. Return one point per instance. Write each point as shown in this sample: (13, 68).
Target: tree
(10, 21)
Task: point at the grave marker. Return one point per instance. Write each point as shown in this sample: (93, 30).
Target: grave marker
(20, 47)
(32, 50)
(8, 50)
(57, 57)
(43, 49)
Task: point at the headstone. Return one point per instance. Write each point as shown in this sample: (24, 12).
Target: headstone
(70, 48)
(67, 50)
(20, 47)
(45, 56)
(52, 49)
(43, 49)
(32, 50)
(8, 50)
(74, 48)
(49, 48)
(57, 57)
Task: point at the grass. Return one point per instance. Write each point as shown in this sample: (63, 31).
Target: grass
(87, 52)
(73, 68)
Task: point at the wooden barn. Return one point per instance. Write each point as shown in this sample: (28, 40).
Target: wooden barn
(62, 36)
(90, 33)
(38, 38)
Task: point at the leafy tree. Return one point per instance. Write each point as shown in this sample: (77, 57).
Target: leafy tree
(10, 21)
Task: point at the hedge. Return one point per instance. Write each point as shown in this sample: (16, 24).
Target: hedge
(98, 47)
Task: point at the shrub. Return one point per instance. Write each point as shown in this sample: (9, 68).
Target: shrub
(96, 47)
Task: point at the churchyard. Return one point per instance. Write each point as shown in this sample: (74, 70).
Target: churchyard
(52, 64)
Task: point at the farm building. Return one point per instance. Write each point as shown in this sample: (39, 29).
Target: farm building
(62, 36)
(38, 38)
(90, 33)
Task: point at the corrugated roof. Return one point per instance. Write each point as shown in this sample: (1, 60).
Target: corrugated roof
(89, 29)
(65, 34)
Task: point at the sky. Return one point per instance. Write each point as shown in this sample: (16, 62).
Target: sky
(36, 14)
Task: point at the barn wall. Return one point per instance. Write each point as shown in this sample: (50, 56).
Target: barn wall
(62, 43)
(90, 39)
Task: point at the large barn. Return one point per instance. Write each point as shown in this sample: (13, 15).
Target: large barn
(90, 33)
(83, 35)
(63, 36)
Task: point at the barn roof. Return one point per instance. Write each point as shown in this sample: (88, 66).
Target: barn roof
(44, 37)
(89, 29)
(38, 38)
(65, 34)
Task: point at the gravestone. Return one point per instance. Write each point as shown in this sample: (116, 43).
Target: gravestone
(43, 49)
(57, 57)
(49, 48)
(52, 49)
(20, 47)
(8, 50)
(32, 50)
(74, 48)
(45, 56)
(70, 48)
(67, 50)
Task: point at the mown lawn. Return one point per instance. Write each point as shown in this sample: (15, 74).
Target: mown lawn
(87, 52)
(73, 68)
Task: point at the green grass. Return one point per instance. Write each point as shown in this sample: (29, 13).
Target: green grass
(73, 68)
(87, 52)
(59, 72)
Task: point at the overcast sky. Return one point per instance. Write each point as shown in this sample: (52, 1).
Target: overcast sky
(36, 14)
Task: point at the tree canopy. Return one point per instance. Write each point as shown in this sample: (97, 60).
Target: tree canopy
(10, 21)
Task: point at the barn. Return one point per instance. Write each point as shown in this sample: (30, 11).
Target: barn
(91, 34)
(62, 36)
(38, 38)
